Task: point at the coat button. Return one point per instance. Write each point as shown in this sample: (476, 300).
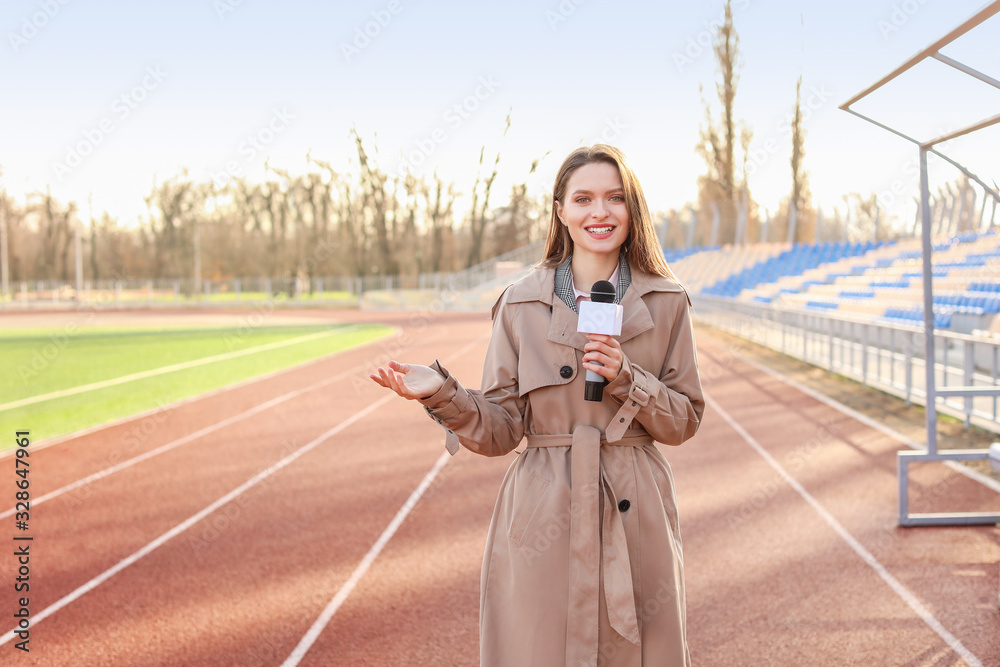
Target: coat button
(624, 505)
(566, 371)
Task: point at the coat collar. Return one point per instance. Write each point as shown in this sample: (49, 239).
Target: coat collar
(539, 286)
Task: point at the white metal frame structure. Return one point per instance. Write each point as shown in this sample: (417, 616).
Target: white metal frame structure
(928, 146)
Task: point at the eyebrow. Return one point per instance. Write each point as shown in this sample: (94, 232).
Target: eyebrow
(588, 192)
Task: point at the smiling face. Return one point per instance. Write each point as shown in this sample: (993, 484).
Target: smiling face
(599, 169)
(593, 209)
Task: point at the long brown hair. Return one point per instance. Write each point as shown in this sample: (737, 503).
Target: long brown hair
(641, 246)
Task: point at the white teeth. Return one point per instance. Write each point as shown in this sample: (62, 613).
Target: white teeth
(600, 230)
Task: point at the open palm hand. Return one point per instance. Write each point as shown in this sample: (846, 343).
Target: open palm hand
(409, 380)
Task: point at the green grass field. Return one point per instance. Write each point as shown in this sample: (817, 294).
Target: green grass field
(40, 362)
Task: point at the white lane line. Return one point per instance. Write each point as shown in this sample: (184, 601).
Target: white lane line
(162, 449)
(168, 369)
(909, 598)
(868, 421)
(191, 521)
(324, 618)
(327, 614)
(181, 527)
(191, 436)
(59, 439)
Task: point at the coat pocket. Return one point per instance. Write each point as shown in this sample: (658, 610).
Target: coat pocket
(541, 365)
(528, 494)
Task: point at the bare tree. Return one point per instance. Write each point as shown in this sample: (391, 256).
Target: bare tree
(866, 218)
(92, 225)
(331, 212)
(376, 205)
(519, 222)
(478, 217)
(804, 217)
(12, 217)
(54, 230)
(174, 208)
(303, 225)
(717, 142)
(439, 220)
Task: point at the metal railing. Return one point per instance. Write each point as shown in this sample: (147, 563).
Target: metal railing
(927, 145)
(880, 354)
(133, 293)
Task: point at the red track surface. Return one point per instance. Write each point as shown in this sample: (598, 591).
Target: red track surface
(770, 582)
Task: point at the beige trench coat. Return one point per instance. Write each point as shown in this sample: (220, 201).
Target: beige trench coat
(583, 562)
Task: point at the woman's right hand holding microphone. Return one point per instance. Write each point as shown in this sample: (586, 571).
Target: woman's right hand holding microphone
(410, 381)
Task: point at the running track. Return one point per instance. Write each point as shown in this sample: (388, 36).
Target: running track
(274, 535)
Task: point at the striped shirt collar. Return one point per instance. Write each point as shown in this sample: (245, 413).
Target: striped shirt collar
(563, 286)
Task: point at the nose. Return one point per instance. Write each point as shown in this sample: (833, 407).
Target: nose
(600, 211)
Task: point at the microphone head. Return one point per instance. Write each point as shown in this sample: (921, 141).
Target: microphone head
(602, 292)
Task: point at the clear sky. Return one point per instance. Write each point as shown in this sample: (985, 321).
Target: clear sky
(103, 97)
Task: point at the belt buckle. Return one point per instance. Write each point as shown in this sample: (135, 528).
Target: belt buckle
(638, 395)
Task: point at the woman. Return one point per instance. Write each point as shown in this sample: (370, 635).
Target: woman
(583, 562)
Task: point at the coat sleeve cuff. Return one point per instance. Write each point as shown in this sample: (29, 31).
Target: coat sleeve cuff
(634, 389)
(619, 387)
(441, 405)
(441, 402)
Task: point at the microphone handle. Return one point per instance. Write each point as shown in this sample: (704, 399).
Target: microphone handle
(593, 388)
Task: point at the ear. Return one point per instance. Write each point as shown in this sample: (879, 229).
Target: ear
(558, 205)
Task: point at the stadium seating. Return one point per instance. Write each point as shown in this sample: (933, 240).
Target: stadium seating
(882, 280)
(786, 272)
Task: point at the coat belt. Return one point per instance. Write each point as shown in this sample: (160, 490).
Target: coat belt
(586, 562)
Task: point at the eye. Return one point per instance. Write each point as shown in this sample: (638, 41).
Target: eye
(617, 198)
(582, 200)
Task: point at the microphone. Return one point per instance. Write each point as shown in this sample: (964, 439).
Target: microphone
(599, 315)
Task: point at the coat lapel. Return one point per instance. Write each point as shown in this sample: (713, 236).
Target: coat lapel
(562, 326)
(539, 286)
(637, 318)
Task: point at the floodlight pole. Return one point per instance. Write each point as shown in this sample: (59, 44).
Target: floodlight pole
(982, 213)
(692, 226)
(928, 271)
(4, 259)
(78, 263)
